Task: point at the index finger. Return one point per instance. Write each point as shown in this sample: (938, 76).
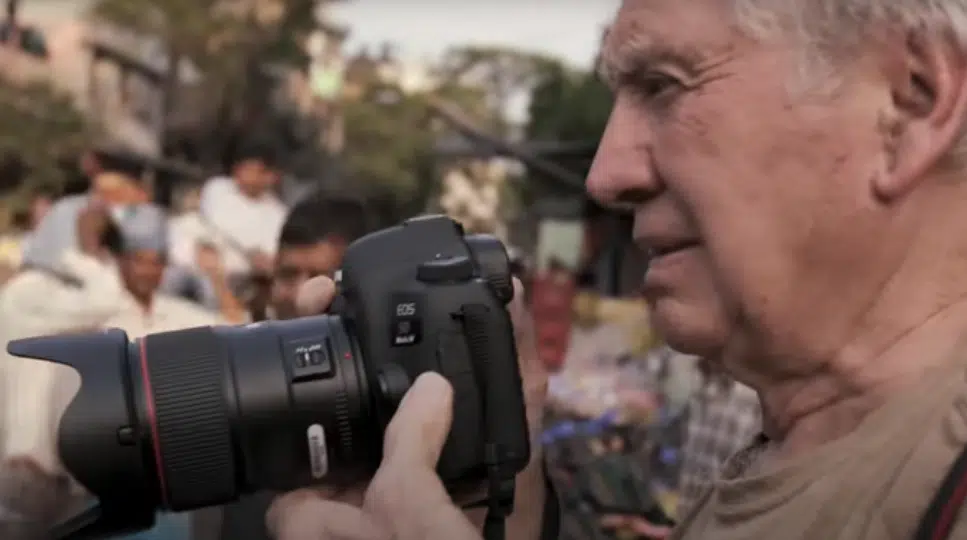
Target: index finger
(416, 434)
(532, 370)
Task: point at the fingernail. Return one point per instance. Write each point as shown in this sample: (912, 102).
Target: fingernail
(315, 295)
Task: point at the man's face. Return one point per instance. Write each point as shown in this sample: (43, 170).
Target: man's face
(753, 200)
(142, 272)
(119, 189)
(254, 177)
(295, 265)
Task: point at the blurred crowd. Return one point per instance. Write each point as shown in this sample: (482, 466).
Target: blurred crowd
(231, 253)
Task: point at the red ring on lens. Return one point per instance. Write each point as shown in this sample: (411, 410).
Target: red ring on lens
(152, 422)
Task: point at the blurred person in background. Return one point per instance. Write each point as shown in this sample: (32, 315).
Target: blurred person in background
(115, 186)
(312, 243)
(60, 287)
(141, 266)
(24, 223)
(196, 269)
(77, 295)
(723, 418)
(243, 210)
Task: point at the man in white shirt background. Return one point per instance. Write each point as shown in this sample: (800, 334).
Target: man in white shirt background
(244, 211)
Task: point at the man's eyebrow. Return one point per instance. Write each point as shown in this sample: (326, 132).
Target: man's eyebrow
(625, 63)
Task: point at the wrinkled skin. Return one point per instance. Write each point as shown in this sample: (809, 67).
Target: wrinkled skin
(770, 191)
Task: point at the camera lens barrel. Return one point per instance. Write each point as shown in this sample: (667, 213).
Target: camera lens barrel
(185, 380)
(230, 410)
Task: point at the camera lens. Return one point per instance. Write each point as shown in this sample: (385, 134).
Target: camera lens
(193, 418)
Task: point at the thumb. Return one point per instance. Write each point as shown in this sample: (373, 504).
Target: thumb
(315, 295)
(419, 429)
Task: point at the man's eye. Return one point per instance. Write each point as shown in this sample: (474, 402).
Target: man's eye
(656, 85)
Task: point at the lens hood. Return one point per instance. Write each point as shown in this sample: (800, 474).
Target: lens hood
(98, 439)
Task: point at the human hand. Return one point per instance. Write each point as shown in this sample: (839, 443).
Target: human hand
(406, 500)
(208, 260)
(262, 264)
(92, 222)
(635, 527)
(295, 516)
(30, 498)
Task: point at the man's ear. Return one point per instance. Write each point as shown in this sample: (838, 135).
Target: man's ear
(929, 95)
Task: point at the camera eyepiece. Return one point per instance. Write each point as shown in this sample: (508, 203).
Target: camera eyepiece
(494, 263)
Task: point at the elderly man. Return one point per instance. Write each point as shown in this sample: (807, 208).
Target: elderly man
(797, 171)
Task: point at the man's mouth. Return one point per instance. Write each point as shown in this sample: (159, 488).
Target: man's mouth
(662, 251)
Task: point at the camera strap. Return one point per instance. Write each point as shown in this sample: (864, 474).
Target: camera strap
(484, 333)
(551, 520)
(551, 516)
(940, 517)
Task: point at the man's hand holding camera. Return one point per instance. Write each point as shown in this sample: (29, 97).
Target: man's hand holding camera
(406, 499)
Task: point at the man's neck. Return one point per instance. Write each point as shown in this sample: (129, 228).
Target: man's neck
(801, 415)
(248, 193)
(908, 332)
(145, 302)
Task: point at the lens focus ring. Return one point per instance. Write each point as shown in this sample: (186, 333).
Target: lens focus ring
(193, 431)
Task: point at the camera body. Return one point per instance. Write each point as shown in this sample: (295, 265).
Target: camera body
(198, 417)
(412, 315)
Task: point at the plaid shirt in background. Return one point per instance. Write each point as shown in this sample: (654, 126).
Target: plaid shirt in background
(724, 418)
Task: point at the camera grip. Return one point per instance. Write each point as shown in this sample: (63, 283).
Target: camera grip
(490, 340)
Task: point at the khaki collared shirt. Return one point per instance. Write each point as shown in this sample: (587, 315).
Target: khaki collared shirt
(872, 484)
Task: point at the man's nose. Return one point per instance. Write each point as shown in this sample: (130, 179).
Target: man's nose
(622, 175)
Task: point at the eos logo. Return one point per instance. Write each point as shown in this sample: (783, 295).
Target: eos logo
(407, 309)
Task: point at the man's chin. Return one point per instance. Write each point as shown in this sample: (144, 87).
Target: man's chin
(688, 336)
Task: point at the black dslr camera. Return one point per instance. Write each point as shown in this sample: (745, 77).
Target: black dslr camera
(194, 418)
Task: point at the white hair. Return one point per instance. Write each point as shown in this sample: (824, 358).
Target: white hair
(833, 21)
(828, 29)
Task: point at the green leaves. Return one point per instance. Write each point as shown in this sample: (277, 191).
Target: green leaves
(41, 126)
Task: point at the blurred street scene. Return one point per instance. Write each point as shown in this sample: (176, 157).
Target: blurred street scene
(166, 164)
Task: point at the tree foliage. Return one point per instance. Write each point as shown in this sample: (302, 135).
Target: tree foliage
(230, 43)
(391, 137)
(388, 141)
(504, 73)
(39, 126)
(570, 106)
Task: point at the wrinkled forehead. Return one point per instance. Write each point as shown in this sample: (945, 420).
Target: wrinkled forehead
(649, 32)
